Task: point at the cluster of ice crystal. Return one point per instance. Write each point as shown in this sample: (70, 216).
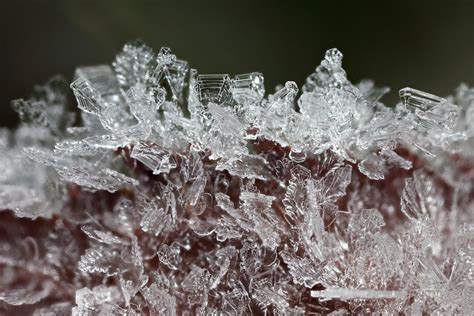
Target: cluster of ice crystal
(175, 192)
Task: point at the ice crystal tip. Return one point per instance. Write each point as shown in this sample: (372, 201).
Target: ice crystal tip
(165, 57)
(177, 192)
(334, 56)
(419, 99)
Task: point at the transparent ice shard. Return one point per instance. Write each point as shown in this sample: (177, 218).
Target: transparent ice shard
(76, 147)
(373, 167)
(303, 270)
(295, 195)
(250, 217)
(248, 88)
(169, 73)
(371, 93)
(246, 166)
(413, 98)
(225, 120)
(98, 93)
(333, 185)
(420, 197)
(105, 237)
(312, 229)
(213, 88)
(142, 105)
(95, 88)
(286, 94)
(358, 294)
(223, 258)
(257, 208)
(394, 159)
(154, 157)
(237, 300)
(195, 190)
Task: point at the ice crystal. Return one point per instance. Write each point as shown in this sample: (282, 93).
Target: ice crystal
(177, 192)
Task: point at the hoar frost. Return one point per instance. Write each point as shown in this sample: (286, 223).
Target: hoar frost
(176, 192)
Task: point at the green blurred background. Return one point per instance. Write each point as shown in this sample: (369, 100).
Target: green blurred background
(423, 44)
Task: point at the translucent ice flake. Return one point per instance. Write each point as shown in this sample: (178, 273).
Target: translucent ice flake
(169, 73)
(371, 93)
(142, 105)
(101, 236)
(153, 157)
(213, 88)
(286, 94)
(248, 88)
(421, 197)
(98, 93)
(419, 99)
(95, 87)
(245, 166)
(250, 218)
(85, 174)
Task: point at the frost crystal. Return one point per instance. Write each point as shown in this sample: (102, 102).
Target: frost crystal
(177, 192)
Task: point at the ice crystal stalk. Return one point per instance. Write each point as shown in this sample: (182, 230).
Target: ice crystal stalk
(176, 192)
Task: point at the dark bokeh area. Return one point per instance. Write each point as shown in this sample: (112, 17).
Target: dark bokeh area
(423, 44)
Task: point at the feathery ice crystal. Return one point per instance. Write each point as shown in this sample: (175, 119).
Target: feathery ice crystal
(176, 192)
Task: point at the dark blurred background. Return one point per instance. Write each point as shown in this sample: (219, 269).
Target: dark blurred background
(423, 44)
